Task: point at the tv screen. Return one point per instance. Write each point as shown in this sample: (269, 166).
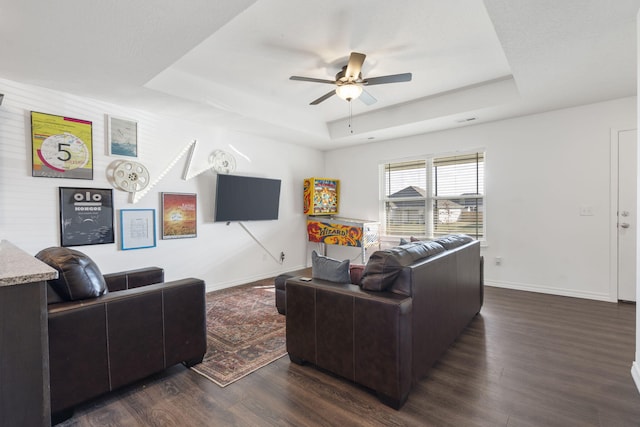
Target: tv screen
(245, 198)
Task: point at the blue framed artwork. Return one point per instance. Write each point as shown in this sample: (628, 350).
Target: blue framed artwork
(137, 228)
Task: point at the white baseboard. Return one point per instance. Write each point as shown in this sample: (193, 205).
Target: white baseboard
(552, 291)
(223, 285)
(635, 374)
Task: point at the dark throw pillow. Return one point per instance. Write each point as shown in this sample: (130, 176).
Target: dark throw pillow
(381, 270)
(333, 270)
(383, 266)
(356, 271)
(78, 276)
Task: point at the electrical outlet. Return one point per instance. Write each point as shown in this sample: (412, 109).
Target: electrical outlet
(498, 260)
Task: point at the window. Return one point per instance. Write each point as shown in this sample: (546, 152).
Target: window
(435, 196)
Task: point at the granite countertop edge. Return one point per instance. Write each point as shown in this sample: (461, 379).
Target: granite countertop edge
(18, 267)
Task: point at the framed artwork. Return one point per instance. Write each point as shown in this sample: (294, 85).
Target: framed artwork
(86, 216)
(62, 147)
(179, 219)
(122, 136)
(137, 228)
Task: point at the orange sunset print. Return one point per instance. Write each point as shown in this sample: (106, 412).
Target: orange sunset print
(178, 215)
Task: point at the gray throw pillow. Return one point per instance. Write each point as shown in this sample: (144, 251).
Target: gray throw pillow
(333, 270)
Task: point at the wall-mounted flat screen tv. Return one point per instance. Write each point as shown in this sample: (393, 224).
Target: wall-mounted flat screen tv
(245, 198)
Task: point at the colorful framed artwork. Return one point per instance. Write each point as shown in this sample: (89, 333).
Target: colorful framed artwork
(122, 136)
(62, 147)
(86, 216)
(137, 228)
(179, 215)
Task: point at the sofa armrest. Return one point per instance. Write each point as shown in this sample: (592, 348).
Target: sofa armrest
(362, 336)
(103, 343)
(134, 278)
(185, 321)
(66, 306)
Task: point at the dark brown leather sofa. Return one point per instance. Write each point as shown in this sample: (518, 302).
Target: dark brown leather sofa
(385, 339)
(280, 283)
(137, 326)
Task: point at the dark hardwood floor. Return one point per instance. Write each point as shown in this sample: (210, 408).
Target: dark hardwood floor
(527, 360)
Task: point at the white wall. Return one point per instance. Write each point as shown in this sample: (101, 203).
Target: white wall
(221, 255)
(540, 170)
(635, 367)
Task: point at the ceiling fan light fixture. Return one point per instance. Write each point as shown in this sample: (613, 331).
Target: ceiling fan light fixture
(349, 81)
(349, 91)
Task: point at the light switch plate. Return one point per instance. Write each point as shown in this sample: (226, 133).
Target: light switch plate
(586, 210)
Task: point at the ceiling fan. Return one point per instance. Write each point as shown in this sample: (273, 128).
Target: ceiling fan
(349, 82)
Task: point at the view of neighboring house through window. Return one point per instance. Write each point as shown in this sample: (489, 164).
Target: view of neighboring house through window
(435, 196)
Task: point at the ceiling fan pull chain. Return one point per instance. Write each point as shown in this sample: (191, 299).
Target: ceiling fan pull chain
(350, 117)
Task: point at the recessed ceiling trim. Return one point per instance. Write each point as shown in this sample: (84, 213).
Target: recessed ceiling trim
(455, 102)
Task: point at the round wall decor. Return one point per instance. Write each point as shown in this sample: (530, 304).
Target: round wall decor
(128, 175)
(222, 162)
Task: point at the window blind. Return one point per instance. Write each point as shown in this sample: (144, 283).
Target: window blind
(436, 196)
(458, 175)
(399, 176)
(458, 195)
(405, 198)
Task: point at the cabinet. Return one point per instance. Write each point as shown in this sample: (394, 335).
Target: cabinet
(24, 345)
(344, 232)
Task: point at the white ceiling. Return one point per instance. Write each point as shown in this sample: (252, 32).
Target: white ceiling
(229, 61)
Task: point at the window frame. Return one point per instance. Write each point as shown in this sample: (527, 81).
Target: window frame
(429, 198)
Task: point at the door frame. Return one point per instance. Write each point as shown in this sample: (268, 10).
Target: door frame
(613, 212)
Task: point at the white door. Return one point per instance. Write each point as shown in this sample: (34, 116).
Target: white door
(627, 230)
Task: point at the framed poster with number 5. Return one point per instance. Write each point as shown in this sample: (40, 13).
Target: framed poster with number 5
(62, 147)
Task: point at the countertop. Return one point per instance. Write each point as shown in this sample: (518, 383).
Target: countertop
(18, 267)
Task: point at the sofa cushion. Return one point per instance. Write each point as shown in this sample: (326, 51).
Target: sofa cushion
(384, 266)
(404, 241)
(333, 270)
(453, 240)
(78, 276)
(52, 296)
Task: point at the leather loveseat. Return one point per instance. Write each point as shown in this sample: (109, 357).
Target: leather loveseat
(109, 331)
(385, 333)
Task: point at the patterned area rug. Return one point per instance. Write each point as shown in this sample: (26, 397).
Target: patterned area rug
(244, 332)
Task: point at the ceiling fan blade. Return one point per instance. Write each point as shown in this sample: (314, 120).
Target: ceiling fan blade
(395, 78)
(311, 79)
(355, 64)
(367, 98)
(323, 97)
